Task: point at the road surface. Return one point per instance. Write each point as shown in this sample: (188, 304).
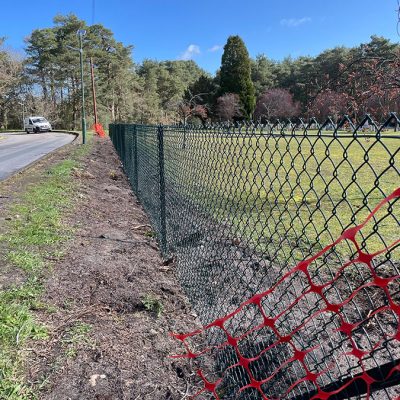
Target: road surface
(18, 150)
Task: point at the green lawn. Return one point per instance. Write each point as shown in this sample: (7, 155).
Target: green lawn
(289, 195)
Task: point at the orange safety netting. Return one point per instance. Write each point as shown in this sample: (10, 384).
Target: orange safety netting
(98, 128)
(297, 353)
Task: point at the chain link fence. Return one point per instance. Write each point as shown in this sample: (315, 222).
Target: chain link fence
(239, 207)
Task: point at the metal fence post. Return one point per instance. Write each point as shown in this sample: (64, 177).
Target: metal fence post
(184, 137)
(124, 146)
(111, 132)
(120, 141)
(135, 161)
(129, 146)
(163, 230)
(118, 138)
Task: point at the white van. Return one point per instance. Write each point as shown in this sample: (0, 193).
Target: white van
(36, 124)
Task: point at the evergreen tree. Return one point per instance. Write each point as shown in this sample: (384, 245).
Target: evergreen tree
(53, 67)
(263, 74)
(235, 74)
(205, 89)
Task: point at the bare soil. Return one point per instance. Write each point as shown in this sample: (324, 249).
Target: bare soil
(111, 267)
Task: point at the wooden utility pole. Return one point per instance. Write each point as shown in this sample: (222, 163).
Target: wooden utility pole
(93, 91)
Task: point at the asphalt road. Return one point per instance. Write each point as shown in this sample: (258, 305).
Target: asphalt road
(17, 150)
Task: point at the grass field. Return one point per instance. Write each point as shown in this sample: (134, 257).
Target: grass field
(289, 195)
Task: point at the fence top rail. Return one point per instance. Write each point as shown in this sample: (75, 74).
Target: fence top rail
(344, 127)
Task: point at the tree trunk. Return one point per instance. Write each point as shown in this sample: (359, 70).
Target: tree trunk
(44, 86)
(113, 110)
(53, 93)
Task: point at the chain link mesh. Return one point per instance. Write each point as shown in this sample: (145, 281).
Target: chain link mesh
(239, 206)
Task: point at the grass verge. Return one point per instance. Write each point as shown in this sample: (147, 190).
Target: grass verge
(34, 234)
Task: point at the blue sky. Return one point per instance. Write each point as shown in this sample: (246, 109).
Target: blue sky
(187, 29)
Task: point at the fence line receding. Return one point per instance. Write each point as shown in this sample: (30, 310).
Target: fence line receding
(241, 207)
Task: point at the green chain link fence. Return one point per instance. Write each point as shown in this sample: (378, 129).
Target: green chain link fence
(239, 205)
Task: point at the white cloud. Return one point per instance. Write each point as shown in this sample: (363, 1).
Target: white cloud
(215, 48)
(295, 22)
(192, 51)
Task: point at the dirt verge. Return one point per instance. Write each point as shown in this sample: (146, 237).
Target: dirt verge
(111, 301)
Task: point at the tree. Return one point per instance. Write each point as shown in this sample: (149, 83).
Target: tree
(235, 74)
(263, 74)
(329, 104)
(187, 109)
(11, 79)
(52, 68)
(276, 103)
(205, 89)
(165, 85)
(361, 73)
(369, 78)
(228, 107)
(10, 68)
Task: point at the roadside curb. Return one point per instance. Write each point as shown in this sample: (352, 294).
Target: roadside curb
(77, 134)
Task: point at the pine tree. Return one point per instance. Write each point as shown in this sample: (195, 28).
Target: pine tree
(235, 75)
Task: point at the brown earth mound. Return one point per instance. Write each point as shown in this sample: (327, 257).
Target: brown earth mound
(113, 300)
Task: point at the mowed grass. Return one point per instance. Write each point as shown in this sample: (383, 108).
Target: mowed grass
(289, 196)
(35, 233)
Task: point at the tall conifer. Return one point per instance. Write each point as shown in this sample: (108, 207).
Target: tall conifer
(235, 74)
